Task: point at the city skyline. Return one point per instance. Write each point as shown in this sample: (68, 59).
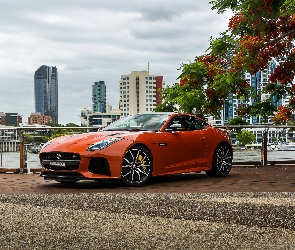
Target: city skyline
(91, 41)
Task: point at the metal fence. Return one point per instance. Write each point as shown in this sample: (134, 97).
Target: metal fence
(14, 138)
(266, 145)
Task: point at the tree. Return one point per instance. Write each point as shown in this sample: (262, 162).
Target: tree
(237, 121)
(75, 130)
(258, 32)
(186, 97)
(245, 137)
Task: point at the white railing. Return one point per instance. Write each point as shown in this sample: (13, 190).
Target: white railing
(17, 134)
(265, 140)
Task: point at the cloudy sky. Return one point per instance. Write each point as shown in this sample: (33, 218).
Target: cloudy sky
(96, 40)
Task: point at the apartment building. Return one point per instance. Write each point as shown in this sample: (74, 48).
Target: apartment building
(139, 92)
(38, 118)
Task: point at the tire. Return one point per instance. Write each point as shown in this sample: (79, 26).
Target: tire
(222, 161)
(136, 166)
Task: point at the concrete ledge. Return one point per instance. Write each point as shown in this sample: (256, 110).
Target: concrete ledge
(35, 170)
(242, 163)
(12, 170)
(17, 170)
(288, 162)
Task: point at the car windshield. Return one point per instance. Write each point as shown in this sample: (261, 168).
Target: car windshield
(147, 122)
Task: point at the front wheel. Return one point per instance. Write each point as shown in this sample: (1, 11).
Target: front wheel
(222, 161)
(136, 166)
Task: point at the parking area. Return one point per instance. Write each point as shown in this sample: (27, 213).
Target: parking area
(241, 179)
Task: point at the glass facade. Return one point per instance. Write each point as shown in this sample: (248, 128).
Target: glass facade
(99, 97)
(258, 82)
(46, 92)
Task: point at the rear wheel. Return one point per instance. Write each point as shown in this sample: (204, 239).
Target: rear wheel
(222, 161)
(136, 166)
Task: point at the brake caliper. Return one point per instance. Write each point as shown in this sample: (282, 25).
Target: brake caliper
(140, 158)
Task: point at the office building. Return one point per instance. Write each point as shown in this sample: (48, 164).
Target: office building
(37, 118)
(99, 119)
(46, 92)
(257, 82)
(10, 119)
(99, 97)
(139, 92)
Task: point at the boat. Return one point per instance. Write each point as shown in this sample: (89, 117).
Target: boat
(253, 146)
(286, 147)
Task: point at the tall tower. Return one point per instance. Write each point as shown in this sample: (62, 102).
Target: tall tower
(46, 92)
(99, 97)
(138, 92)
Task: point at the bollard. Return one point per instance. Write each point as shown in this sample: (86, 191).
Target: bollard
(264, 149)
(21, 153)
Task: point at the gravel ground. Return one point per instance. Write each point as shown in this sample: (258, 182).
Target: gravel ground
(148, 221)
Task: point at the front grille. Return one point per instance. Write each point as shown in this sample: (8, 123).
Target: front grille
(60, 161)
(99, 166)
(59, 156)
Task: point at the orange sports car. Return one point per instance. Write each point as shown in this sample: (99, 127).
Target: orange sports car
(137, 147)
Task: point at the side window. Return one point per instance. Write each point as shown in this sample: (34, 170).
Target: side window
(200, 124)
(186, 122)
(177, 120)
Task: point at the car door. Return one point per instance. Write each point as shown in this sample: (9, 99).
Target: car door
(186, 145)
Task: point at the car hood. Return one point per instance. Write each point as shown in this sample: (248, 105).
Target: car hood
(82, 141)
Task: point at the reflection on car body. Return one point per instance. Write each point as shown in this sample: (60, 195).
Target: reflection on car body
(137, 147)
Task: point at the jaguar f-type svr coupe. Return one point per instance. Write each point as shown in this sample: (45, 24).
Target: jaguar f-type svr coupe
(138, 147)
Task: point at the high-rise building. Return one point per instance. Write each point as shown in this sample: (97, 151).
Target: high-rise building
(139, 92)
(46, 92)
(258, 82)
(99, 97)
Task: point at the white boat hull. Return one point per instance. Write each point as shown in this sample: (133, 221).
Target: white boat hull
(286, 147)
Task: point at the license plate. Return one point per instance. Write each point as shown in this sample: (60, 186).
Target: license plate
(57, 163)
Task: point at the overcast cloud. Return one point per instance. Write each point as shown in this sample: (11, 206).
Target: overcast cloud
(93, 40)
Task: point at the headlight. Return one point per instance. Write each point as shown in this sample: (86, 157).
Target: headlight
(103, 144)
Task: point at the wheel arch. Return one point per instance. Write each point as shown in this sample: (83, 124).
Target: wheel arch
(144, 146)
(144, 179)
(228, 144)
(148, 149)
(212, 150)
(220, 171)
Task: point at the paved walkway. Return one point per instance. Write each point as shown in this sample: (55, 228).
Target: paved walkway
(241, 179)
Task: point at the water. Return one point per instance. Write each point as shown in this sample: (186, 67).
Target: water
(11, 159)
(255, 155)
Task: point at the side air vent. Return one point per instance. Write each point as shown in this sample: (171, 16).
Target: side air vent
(99, 166)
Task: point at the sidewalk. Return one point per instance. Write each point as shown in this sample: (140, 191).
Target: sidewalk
(240, 179)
